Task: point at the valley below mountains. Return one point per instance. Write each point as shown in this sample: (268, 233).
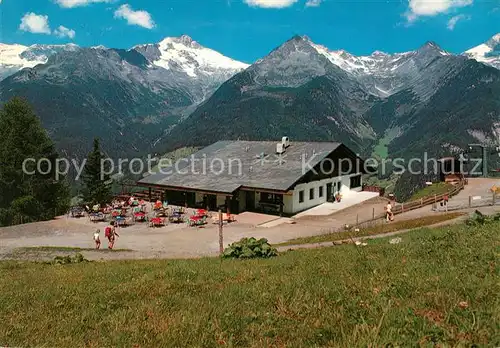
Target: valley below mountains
(155, 98)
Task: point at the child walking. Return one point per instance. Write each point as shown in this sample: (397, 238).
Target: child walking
(97, 239)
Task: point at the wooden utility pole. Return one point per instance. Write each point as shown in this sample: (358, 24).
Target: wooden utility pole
(221, 238)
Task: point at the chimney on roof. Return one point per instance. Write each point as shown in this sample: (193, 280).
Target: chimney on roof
(285, 141)
(281, 147)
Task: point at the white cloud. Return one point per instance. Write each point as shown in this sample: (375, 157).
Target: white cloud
(271, 3)
(313, 3)
(62, 31)
(140, 18)
(39, 24)
(77, 3)
(454, 20)
(419, 8)
(33, 23)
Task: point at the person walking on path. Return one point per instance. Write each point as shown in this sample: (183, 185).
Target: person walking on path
(97, 239)
(389, 215)
(111, 234)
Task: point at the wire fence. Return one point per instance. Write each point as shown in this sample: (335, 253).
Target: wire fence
(400, 208)
(474, 202)
(428, 200)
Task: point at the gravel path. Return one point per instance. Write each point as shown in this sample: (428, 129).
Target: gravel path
(174, 241)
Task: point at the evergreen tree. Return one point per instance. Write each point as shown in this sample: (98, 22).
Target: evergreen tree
(97, 186)
(31, 193)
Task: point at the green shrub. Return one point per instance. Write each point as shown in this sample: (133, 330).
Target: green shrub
(248, 248)
(478, 219)
(64, 260)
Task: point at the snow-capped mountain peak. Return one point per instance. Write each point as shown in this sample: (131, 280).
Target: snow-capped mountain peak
(185, 54)
(342, 59)
(495, 39)
(487, 53)
(15, 57)
(431, 46)
(10, 55)
(43, 52)
(382, 73)
(379, 53)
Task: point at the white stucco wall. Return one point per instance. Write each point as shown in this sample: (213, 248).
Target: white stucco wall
(293, 205)
(288, 204)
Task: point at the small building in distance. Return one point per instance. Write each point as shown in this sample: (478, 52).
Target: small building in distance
(451, 169)
(264, 176)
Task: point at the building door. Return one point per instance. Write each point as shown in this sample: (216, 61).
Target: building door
(190, 199)
(329, 193)
(212, 202)
(339, 185)
(250, 200)
(235, 205)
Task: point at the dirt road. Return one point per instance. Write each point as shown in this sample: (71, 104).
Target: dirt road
(174, 241)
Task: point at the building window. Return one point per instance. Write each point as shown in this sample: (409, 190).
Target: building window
(355, 181)
(311, 194)
(301, 196)
(271, 198)
(321, 191)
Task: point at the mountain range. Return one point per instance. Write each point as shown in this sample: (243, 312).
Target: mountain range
(488, 53)
(128, 98)
(423, 100)
(158, 97)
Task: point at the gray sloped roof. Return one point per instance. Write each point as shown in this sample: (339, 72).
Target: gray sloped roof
(227, 165)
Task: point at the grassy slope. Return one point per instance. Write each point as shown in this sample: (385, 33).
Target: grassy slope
(388, 184)
(437, 188)
(377, 229)
(343, 296)
(381, 151)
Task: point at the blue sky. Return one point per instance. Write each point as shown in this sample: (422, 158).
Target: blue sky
(248, 29)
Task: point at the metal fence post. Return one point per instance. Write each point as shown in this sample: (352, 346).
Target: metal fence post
(221, 238)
